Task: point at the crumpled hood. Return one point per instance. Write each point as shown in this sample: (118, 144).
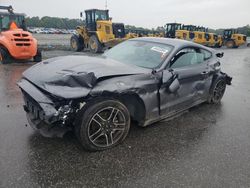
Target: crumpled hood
(75, 76)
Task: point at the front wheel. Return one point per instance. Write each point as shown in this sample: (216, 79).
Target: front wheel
(217, 91)
(38, 57)
(4, 56)
(94, 45)
(230, 44)
(102, 124)
(76, 43)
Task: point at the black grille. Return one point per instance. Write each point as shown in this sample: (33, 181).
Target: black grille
(21, 39)
(17, 35)
(32, 107)
(22, 44)
(119, 30)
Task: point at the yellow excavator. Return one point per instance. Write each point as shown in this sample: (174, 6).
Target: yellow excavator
(98, 32)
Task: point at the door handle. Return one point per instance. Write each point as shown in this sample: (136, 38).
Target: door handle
(205, 73)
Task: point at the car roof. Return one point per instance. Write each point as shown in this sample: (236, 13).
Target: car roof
(177, 43)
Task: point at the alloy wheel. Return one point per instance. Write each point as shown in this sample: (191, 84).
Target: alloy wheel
(106, 127)
(219, 90)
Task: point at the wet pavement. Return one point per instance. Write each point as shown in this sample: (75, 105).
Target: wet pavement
(207, 147)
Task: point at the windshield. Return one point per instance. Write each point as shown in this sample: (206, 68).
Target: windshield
(178, 27)
(5, 21)
(101, 15)
(227, 32)
(140, 53)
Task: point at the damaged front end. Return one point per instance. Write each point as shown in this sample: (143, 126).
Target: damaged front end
(51, 118)
(227, 78)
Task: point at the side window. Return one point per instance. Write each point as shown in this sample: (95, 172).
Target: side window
(187, 57)
(207, 54)
(88, 17)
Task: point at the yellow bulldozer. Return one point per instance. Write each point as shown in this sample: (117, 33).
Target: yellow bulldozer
(232, 39)
(98, 32)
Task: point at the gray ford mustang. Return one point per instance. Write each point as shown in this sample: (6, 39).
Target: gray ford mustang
(144, 80)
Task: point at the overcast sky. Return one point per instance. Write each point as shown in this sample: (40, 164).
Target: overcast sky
(151, 13)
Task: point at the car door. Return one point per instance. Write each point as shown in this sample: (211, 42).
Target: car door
(192, 70)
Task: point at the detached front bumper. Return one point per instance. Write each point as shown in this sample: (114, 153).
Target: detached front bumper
(41, 112)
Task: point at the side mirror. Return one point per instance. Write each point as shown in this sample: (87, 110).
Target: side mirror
(170, 80)
(174, 86)
(220, 55)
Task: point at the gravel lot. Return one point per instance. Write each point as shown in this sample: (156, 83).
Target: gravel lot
(207, 147)
(53, 41)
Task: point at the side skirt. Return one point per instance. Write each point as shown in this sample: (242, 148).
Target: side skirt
(172, 115)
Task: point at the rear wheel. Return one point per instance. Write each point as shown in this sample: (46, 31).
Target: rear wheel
(76, 43)
(94, 45)
(102, 124)
(217, 91)
(230, 44)
(38, 57)
(4, 56)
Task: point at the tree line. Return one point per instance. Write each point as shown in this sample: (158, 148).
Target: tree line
(66, 23)
(53, 22)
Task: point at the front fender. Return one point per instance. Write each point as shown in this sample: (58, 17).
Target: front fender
(144, 86)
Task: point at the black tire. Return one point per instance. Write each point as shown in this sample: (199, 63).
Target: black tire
(5, 57)
(76, 43)
(218, 45)
(38, 57)
(230, 44)
(93, 126)
(217, 90)
(94, 45)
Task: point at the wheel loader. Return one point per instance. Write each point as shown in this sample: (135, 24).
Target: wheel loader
(193, 33)
(171, 28)
(232, 39)
(98, 32)
(176, 30)
(16, 43)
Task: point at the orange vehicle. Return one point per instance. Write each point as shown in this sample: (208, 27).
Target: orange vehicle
(16, 43)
